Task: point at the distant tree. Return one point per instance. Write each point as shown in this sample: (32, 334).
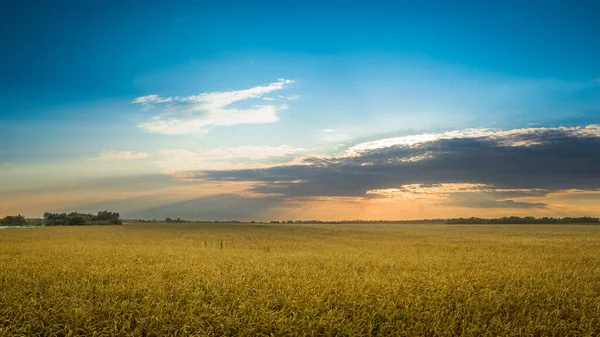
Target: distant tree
(111, 217)
(55, 219)
(78, 220)
(522, 220)
(81, 219)
(16, 220)
(168, 220)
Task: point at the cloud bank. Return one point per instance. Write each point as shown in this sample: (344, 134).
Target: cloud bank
(472, 168)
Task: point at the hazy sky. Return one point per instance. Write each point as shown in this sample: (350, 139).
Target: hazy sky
(299, 109)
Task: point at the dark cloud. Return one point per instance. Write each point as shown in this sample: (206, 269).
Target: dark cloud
(530, 162)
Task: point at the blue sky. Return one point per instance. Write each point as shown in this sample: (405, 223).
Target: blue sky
(311, 80)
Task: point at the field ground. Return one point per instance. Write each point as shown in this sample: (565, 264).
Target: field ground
(254, 279)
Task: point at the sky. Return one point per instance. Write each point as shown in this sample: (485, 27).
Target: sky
(277, 110)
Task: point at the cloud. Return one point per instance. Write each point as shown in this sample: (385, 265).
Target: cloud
(110, 155)
(499, 165)
(463, 194)
(330, 137)
(416, 191)
(289, 98)
(515, 137)
(181, 160)
(148, 102)
(197, 113)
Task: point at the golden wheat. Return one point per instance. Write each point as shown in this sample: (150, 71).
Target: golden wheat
(332, 280)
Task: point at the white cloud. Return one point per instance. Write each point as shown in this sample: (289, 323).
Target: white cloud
(197, 113)
(330, 136)
(289, 98)
(412, 191)
(109, 155)
(268, 98)
(148, 102)
(515, 137)
(239, 157)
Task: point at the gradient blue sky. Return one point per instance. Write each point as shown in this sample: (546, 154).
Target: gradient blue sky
(327, 75)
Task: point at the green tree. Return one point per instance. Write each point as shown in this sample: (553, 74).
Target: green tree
(17, 220)
(78, 220)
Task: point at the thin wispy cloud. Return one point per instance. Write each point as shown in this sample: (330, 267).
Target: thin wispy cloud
(148, 102)
(111, 155)
(199, 113)
(289, 98)
(330, 136)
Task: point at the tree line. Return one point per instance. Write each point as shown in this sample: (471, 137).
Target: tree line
(14, 220)
(407, 222)
(453, 221)
(64, 219)
(82, 219)
(524, 220)
(449, 221)
(472, 220)
(114, 218)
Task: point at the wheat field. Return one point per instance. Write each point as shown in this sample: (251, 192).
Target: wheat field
(308, 280)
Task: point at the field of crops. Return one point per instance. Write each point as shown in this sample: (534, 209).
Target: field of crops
(333, 280)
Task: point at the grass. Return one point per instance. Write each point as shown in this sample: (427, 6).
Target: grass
(332, 280)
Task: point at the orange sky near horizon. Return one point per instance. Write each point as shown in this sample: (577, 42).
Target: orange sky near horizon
(406, 207)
